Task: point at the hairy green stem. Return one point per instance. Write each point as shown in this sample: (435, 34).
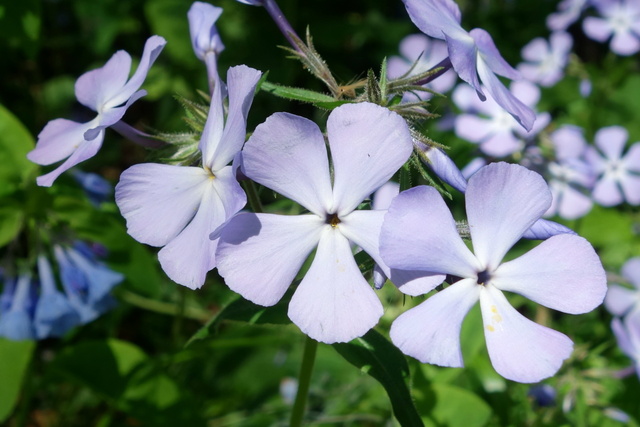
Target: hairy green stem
(304, 379)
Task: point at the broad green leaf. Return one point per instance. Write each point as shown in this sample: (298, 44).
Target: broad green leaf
(455, 407)
(376, 356)
(14, 360)
(245, 311)
(15, 143)
(10, 222)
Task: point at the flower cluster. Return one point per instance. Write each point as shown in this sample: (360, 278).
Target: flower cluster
(38, 309)
(192, 207)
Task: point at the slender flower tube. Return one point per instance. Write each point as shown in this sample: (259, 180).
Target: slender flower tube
(205, 39)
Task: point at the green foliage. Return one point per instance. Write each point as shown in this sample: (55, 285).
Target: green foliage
(15, 143)
(15, 357)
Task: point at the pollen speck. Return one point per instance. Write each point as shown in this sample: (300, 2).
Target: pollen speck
(497, 318)
(494, 309)
(490, 328)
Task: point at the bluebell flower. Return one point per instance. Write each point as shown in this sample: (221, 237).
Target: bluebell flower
(54, 315)
(97, 188)
(86, 282)
(15, 318)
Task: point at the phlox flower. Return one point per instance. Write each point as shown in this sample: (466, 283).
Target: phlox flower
(568, 12)
(502, 202)
(618, 175)
(178, 207)
(570, 176)
(473, 54)
(107, 90)
(621, 300)
(546, 59)
(620, 21)
(489, 125)
(259, 255)
(428, 53)
(627, 334)
(205, 38)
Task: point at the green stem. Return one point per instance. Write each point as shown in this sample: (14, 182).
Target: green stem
(163, 307)
(252, 196)
(304, 379)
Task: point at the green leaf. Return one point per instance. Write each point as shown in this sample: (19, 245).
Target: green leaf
(14, 360)
(297, 94)
(376, 356)
(162, 16)
(243, 310)
(15, 143)
(455, 407)
(10, 222)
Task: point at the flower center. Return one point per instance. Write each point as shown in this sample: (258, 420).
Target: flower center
(333, 220)
(483, 277)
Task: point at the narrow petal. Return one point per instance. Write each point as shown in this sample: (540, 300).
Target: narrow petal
(85, 150)
(503, 201)
(631, 188)
(368, 145)
(334, 303)
(464, 56)
(430, 332)
(596, 28)
(632, 158)
(623, 338)
(563, 273)
(191, 255)
(433, 17)
(384, 195)
(152, 49)
(473, 128)
(259, 255)
(241, 85)
(512, 105)
(204, 36)
(158, 201)
(536, 50)
(542, 229)
(620, 300)
(491, 55)
(363, 229)
(574, 204)
(611, 140)
(446, 169)
(519, 349)
(287, 153)
(607, 192)
(631, 271)
(625, 43)
(419, 233)
(94, 88)
(501, 143)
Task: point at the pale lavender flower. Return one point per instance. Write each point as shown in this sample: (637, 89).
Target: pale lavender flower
(428, 53)
(627, 333)
(205, 39)
(259, 255)
(473, 54)
(443, 166)
(502, 202)
(178, 207)
(546, 59)
(570, 177)
(489, 125)
(568, 12)
(620, 21)
(107, 90)
(622, 300)
(618, 175)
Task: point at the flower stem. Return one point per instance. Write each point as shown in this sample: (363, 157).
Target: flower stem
(304, 379)
(278, 17)
(252, 196)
